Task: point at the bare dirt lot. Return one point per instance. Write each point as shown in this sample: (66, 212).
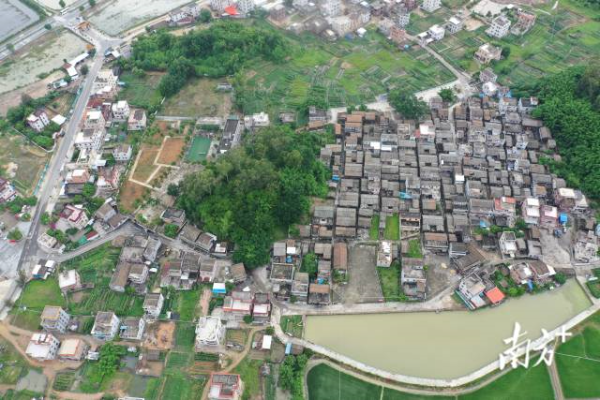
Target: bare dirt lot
(145, 164)
(171, 151)
(363, 285)
(130, 192)
(160, 336)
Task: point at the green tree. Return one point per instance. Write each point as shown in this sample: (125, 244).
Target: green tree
(61, 3)
(15, 235)
(447, 95)
(45, 218)
(48, 27)
(173, 189)
(92, 3)
(505, 51)
(88, 191)
(407, 104)
(560, 278)
(85, 69)
(310, 265)
(205, 16)
(171, 230)
(10, 47)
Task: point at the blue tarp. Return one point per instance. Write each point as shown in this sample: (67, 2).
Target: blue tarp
(563, 218)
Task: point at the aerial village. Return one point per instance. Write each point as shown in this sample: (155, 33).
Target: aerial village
(461, 202)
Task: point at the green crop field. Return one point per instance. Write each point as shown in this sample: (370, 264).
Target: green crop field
(325, 383)
(341, 73)
(562, 37)
(578, 361)
(374, 230)
(96, 267)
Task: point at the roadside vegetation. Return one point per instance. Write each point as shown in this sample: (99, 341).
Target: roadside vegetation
(390, 282)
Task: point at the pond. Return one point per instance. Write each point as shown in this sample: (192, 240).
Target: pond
(446, 345)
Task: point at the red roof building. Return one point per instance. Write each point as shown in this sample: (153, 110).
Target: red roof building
(231, 10)
(495, 295)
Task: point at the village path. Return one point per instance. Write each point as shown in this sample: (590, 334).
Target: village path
(237, 357)
(11, 333)
(555, 379)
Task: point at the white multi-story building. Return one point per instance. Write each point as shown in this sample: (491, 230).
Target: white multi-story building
(106, 326)
(220, 5)
(122, 152)
(210, 332)
(55, 319)
(38, 120)
(89, 139)
(120, 111)
(331, 8)
(403, 19)
(531, 210)
(245, 6)
(94, 120)
(153, 304)
(431, 5)
(436, 32)
(499, 28)
(454, 25)
(43, 346)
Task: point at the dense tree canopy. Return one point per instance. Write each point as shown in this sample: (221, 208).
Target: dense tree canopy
(255, 189)
(570, 109)
(407, 104)
(218, 51)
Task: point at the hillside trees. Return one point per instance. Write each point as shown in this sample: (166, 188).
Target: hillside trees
(220, 50)
(245, 195)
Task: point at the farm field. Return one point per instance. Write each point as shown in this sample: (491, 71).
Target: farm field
(569, 35)
(578, 361)
(392, 228)
(141, 91)
(14, 16)
(43, 56)
(171, 151)
(36, 295)
(96, 267)
(325, 382)
(129, 195)
(145, 164)
(338, 74)
(199, 98)
(116, 16)
(22, 162)
(292, 325)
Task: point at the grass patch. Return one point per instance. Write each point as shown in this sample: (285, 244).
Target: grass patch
(187, 304)
(29, 159)
(199, 98)
(414, 249)
(178, 361)
(292, 325)
(185, 336)
(249, 371)
(14, 364)
(390, 282)
(374, 230)
(37, 294)
(141, 91)
(392, 228)
(181, 387)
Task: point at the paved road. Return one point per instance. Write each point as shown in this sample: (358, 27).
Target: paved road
(37, 30)
(49, 189)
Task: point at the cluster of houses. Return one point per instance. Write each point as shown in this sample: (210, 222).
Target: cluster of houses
(464, 181)
(100, 158)
(289, 281)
